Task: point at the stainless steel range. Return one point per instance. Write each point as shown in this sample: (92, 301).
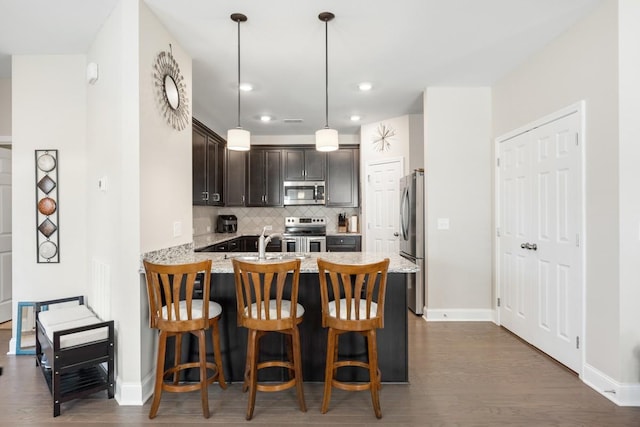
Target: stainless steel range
(304, 234)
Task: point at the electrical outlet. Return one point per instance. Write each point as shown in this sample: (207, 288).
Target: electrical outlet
(208, 228)
(268, 227)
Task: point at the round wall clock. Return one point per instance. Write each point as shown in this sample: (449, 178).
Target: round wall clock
(171, 90)
(381, 139)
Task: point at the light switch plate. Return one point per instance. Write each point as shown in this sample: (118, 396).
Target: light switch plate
(443, 223)
(177, 228)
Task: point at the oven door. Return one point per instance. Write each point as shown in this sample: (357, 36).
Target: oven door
(316, 244)
(292, 244)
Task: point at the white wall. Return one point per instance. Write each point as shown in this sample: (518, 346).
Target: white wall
(582, 64)
(416, 142)
(458, 167)
(165, 153)
(147, 165)
(113, 151)
(49, 111)
(399, 145)
(629, 158)
(5, 109)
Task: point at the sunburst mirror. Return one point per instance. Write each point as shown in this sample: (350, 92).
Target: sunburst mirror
(171, 90)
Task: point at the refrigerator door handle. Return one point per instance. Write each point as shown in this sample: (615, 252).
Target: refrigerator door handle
(404, 214)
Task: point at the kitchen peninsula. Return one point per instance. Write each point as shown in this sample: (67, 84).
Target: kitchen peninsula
(392, 339)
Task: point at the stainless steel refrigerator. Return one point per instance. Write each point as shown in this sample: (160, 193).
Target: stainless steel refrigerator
(412, 236)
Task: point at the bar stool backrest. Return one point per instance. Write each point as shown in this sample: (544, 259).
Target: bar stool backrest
(170, 289)
(267, 294)
(360, 290)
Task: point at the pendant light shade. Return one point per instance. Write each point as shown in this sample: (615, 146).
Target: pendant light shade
(238, 139)
(327, 138)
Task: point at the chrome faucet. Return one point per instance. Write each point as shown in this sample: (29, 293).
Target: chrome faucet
(263, 241)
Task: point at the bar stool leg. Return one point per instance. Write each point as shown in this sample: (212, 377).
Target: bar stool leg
(203, 373)
(328, 370)
(297, 361)
(177, 355)
(253, 371)
(374, 375)
(247, 365)
(217, 354)
(157, 390)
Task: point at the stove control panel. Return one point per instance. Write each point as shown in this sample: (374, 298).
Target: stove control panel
(313, 221)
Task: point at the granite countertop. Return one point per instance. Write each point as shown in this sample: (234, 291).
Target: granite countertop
(204, 240)
(222, 261)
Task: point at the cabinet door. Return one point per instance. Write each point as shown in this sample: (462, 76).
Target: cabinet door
(215, 171)
(342, 178)
(304, 164)
(315, 164)
(250, 244)
(293, 165)
(199, 166)
(236, 168)
(255, 174)
(343, 243)
(273, 178)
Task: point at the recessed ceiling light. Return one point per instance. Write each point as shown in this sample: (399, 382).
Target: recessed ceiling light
(265, 118)
(355, 118)
(365, 86)
(246, 87)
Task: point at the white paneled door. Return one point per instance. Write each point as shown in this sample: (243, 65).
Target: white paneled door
(541, 288)
(5, 234)
(382, 206)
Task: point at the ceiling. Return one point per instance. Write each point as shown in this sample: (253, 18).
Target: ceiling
(401, 47)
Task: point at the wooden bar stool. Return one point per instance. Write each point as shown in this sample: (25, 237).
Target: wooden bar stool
(174, 312)
(262, 290)
(360, 291)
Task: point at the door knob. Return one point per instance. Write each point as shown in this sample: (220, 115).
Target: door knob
(529, 246)
(396, 234)
(524, 246)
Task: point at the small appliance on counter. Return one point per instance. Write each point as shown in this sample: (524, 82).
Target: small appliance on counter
(227, 224)
(342, 222)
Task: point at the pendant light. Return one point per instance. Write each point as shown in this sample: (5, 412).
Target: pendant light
(238, 139)
(327, 138)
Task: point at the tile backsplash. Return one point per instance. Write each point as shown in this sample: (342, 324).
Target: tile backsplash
(251, 220)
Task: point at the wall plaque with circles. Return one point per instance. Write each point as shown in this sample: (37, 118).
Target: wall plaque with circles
(47, 207)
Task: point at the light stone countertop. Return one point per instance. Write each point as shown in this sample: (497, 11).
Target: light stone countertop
(204, 240)
(222, 261)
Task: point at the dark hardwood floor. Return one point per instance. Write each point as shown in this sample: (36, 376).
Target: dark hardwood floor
(462, 374)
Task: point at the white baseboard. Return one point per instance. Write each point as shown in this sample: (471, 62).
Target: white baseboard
(12, 346)
(459, 315)
(135, 393)
(622, 394)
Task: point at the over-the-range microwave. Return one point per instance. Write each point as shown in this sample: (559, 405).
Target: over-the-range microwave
(304, 192)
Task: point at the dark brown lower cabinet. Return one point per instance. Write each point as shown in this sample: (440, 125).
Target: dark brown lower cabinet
(392, 339)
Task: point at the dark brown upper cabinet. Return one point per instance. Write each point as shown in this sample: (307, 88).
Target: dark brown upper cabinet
(208, 158)
(304, 164)
(235, 184)
(264, 177)
(342, 183)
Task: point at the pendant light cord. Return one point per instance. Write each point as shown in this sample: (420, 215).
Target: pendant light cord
(238, 73)
(326, 73)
